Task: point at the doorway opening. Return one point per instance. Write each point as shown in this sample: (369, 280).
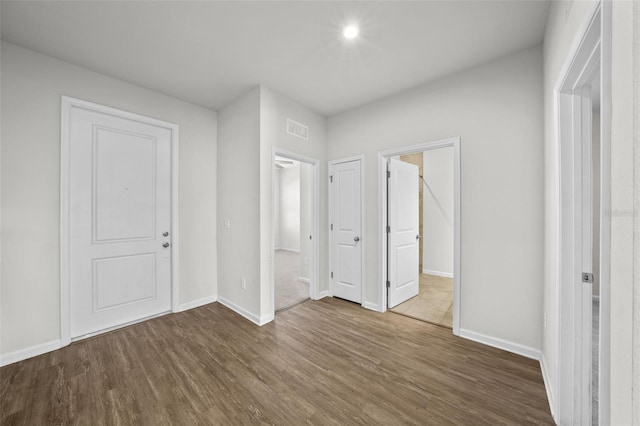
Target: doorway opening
(420, 216)
(583, 99)
(434, 301)
(294, 227)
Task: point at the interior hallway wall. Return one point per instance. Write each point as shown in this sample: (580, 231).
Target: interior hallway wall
(32, 86)
(239, 204)
(289, 218)
(496, 109)
(275, 108)
(438, 212)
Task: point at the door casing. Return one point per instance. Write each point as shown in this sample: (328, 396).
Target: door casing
(592, 48)
(383, 156)
(67, 104)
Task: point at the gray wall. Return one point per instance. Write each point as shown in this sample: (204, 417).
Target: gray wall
(239, 202)
(32, 85)
(437, 224)
(496, 109)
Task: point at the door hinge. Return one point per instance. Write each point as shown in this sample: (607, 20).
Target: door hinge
(388, 284)
(332, 226)
(587, 277)
(388, 229)
(388, 174)
(331, 274)
(331, 178)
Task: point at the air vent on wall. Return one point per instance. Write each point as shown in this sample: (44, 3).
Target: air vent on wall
(297, 129)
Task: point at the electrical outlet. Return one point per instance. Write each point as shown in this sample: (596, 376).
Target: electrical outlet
(227, 223)
(306, 260)
(243, 283)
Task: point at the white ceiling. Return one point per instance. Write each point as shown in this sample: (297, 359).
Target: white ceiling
(209, 53)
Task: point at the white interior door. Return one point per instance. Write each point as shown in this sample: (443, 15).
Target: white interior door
(120, 220)
(403, 232)
(346, 275)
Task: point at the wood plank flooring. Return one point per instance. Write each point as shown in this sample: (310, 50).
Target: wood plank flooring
(324, 362)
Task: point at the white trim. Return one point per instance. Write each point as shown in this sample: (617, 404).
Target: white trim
(547, 385)
(314, 256)
(197, 303)
(256, 319)
(372, 306)
(30, 352)
(292, 250)
(65, 268)
(322, 295)
(438, 273)
(304, 280)
(382, 218)
(505, 345)
(363, 228)
(571, 386)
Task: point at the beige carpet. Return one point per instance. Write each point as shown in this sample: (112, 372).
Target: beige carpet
(289, 290)
(434, 302)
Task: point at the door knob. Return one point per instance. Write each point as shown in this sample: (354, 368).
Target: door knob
(165, 234)
(417, 237)
(356, 239)
(165, 245)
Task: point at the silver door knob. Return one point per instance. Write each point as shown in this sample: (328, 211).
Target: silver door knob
(165, 234)
(165, 245)
(356, 239)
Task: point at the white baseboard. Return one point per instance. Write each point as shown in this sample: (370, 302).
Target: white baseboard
(243, 312)
(438, 273)
(197, 303)
(288, 249)
(29, 352)
(322, 294)
(265, 319)
(371, 306)
(547, 386)
(506, 345)
(304, 280)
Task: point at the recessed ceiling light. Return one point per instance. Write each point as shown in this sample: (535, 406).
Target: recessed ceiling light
(350, 32)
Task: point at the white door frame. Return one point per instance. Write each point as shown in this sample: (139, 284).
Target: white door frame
(315, 219)
(383, 156)
(67, 104)
(591, 48)
(363, 239)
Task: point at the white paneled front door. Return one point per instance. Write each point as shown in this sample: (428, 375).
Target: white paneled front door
(119, 220)
(346, 225)
(403, 231)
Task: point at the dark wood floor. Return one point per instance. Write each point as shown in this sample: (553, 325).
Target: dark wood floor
(325, 362)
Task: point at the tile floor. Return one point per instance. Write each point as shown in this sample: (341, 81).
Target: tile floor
(434, 302)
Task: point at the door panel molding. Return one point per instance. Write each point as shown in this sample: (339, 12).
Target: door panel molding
(383, 156)
(68, 104)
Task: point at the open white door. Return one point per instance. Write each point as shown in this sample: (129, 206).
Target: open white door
(346, 226)
(119, 220)
(403, 231)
